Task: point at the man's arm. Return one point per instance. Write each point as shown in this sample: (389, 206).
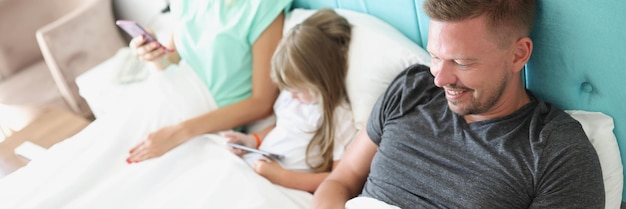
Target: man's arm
(347, 180)
(571, 174)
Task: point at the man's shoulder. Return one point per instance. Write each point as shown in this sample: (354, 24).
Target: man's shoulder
(418, 70)
(415, 76)
(413, 86)
(559, 125)
(412, 81)
(551, 114)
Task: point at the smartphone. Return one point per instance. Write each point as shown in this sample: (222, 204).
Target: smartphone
(133, 29)
(264, 153)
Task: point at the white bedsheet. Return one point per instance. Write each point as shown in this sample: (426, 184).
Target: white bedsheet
(89, 169)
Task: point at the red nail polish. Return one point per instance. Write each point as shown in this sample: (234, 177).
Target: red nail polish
(128, 161)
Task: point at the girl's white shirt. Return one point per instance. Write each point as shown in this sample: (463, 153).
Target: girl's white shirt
(296, 123)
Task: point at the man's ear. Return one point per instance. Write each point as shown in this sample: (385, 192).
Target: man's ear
(521, 54)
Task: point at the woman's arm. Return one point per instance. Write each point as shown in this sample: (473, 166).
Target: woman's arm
(257, 106)
(264, 91)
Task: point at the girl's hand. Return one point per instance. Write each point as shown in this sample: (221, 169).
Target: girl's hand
(240, 138)
(269, 169)
(158, 143)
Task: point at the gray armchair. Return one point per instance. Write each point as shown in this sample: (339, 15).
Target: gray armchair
(77, 42)
(43, 47)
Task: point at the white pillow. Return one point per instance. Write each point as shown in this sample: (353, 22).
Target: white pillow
(599, 129)
(378, 53)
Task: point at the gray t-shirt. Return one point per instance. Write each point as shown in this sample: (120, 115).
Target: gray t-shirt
(429, 157)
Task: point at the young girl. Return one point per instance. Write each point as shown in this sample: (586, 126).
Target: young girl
(313, 119)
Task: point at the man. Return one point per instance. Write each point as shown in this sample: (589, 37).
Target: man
(465, 133)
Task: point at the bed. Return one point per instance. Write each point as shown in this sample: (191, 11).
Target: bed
(570, 44)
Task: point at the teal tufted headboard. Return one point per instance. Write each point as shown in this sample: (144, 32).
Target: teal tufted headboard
(577, 63)
(579, 48)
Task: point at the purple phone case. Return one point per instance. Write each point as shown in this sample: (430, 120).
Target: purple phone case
(133, 29)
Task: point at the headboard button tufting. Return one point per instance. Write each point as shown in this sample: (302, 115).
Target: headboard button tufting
(586, 87)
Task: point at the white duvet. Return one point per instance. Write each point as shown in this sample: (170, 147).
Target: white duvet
(89, 170)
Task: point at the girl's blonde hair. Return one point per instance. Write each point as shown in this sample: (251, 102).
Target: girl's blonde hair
(314, 56)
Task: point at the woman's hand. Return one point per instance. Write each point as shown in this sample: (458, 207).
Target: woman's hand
(269, 169)
(240, 138)
(147, 51)
(158, 143)
(152, 51)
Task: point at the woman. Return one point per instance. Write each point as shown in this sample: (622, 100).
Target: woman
(228, 44)
(217, 78)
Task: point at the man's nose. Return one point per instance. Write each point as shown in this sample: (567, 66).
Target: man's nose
(444, 73)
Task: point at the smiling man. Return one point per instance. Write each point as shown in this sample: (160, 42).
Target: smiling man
(465, 133)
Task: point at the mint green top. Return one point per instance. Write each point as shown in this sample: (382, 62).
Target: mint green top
(215, 38)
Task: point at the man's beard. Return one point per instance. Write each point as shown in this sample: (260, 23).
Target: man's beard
(476, 107)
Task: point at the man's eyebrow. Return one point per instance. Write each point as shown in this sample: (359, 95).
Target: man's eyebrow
(465, 59)
(456, 58)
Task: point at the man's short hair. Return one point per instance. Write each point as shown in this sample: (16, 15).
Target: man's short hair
(506, 19)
